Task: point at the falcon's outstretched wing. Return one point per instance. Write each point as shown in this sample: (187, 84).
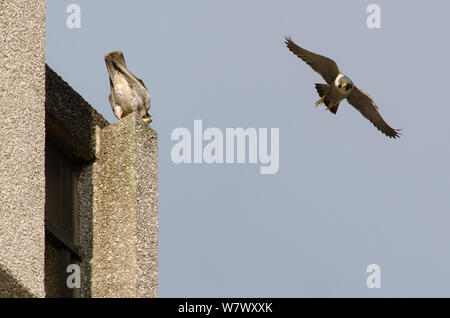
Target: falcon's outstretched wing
(362, 102)
(326, 67)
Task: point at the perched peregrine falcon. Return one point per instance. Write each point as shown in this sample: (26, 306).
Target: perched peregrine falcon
(128, 93)
(339, 87)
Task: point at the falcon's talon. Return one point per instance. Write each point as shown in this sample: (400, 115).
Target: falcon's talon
(320, 101)
(148, 119)
(330, 106)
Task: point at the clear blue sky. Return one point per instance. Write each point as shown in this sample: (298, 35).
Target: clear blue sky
(345, 195)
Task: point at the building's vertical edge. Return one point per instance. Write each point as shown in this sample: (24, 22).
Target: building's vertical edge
(85, 217)
(146, 171)
(124, 260)
(22, 140)
(113, 263)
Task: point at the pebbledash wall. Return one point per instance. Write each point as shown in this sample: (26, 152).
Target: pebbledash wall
(117, 183)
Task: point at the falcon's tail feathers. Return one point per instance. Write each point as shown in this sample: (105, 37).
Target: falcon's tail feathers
(322, 90)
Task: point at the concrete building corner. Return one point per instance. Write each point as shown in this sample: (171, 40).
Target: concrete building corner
(74, 189)
(125, 224)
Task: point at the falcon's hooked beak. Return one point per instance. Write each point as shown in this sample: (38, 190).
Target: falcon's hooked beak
(344, 85)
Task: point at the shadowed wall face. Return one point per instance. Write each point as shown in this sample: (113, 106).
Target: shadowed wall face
(71, 126)
(22, 140)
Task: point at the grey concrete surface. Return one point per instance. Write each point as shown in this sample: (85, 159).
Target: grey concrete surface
(22, 140)
(125, 228)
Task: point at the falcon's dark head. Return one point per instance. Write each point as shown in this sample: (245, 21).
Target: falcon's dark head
(344, 84)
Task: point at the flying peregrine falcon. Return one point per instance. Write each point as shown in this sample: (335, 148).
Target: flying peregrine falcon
(128, 93)
(339, 87)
